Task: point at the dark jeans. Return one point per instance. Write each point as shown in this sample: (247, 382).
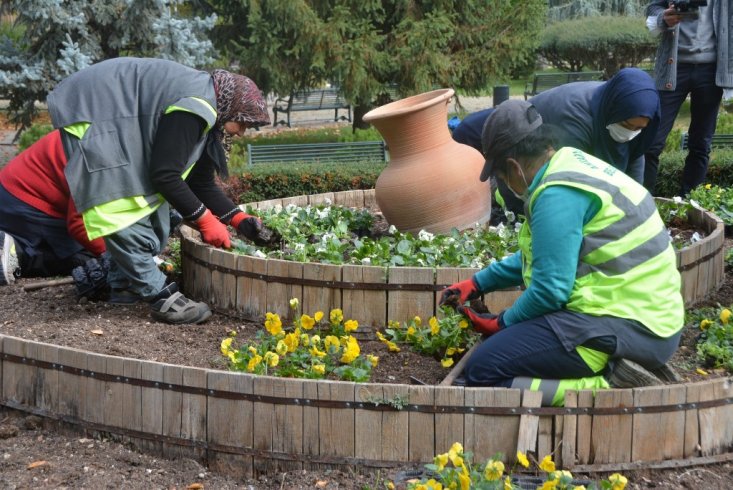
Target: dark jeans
(528, 349)
(42, 243)
(697, 81)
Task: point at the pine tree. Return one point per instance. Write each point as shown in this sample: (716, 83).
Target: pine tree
(573, 9)
(59, 38)
(364, 46)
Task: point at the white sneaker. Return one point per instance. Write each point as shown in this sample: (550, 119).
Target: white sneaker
(8, 259)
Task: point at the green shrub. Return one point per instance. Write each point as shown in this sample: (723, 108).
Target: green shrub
(261, 182)
(671, 163)
(605, 43)
(33, 134)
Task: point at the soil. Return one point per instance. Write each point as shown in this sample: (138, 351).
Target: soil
(35, 453)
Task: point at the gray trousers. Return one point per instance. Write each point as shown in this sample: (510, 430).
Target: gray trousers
(133, 250)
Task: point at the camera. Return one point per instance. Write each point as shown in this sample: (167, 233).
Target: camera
(688, 5)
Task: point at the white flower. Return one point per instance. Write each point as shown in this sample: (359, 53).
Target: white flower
(517, 227)
(677, 199)
(695, 237)
(259, 254)
(510, 217)
(291, 208)
(695, 204)
(328, 201)
(299, 246)
(323, 213)
(392, 229)
(421, 262)
(425, 236)
(366, 261)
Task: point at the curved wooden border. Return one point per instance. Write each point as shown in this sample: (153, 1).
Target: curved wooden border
(248, 425)
(253, 286)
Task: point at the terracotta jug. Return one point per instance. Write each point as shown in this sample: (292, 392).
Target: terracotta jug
(431, 181)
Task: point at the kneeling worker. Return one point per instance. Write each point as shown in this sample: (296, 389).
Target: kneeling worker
(602, 306)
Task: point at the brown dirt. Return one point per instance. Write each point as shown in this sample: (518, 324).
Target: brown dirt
(72, 460)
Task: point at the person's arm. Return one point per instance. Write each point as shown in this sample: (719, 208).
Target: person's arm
(505, 273)
(558, 216)
(176, 137)
(75, 226)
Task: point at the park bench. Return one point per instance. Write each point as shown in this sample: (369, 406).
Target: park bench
(355, 151)
(311, 100)
(545, 81)
(719, 141)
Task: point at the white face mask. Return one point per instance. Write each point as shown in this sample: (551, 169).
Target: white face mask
(620, 134)
(524, 195)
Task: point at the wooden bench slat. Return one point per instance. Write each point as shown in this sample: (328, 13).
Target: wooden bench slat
(317, 152)
(546, 81)
(719, 141)
(312, 100)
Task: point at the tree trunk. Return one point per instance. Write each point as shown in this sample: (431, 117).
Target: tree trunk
(358, 118)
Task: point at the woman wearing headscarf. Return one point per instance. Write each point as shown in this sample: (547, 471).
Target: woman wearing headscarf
(135, 136)
(615, 121)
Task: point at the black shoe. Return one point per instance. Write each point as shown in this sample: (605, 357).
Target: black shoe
(667, 374)
(628, 374)
(170, 306)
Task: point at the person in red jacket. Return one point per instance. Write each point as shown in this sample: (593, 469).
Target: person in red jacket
(42, 234)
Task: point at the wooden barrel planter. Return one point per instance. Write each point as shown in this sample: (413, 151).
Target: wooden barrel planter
(243, 424)
(252, 286)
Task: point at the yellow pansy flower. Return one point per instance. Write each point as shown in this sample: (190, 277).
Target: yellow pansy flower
(281, 348)
(446, 362)
(725, 316)
(441, 460)
(294, 304)
(394, 324)
(351, 351)
(305, 340)
(292, 341)
(454, 454)
(433, 485)
(253, 363)
(450, 351)
(273, 324)
(410, 331)
(315, 352)
(251, 349)
(271, 359)
(373, 360)
(708, 186)
(549, 485)
(417, 321)
(381, 337)
(522, 459)
(390, 485)
(494, 470)
(226, 345)
(319, 369)
(351, 325)
(705, 324)
(465, 481)
(508, 483)
(318, 316)
(618, 481)
(316, 340)
(463, 324)
(701, 372)
(547, 464)
(331, 341)
(336, 315)
(307, 322)
(233, 333)
(392, 347)
(579, 487)
(434, 325)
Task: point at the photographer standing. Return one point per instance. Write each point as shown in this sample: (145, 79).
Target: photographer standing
(695, 57)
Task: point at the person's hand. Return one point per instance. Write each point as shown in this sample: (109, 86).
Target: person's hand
(213, 231)
(483, 323)
(460, 292)
(671, 17)
(251, 227)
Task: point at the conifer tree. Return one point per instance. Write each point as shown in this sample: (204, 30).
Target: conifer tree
(363, 46)
(57, 38)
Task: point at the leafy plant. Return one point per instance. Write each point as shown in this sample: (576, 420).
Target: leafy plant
(306, 349)
(455, 469)
(443, 338)
(336, 235)
(715, 345)
(718, 200)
